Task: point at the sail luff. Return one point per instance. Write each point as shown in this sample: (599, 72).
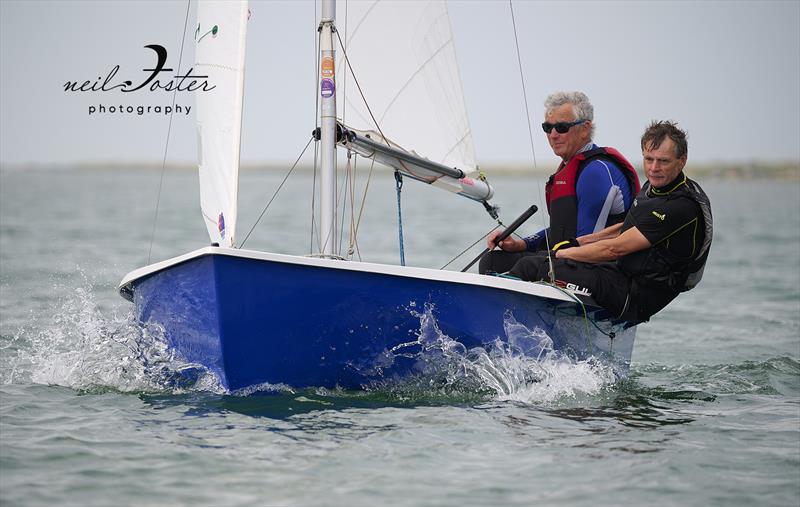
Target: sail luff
(220, 55)
(237, 144)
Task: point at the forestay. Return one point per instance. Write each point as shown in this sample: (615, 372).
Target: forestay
(404, 58)
(220, 50)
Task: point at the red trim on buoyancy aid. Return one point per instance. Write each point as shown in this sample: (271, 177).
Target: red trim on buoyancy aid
(561, 194)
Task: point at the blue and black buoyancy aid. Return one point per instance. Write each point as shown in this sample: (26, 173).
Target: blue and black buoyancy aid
(561, 192)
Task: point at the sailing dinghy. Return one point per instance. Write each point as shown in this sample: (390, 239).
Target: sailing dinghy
(256, 318)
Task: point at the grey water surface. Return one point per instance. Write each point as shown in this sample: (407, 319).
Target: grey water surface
(94, 411)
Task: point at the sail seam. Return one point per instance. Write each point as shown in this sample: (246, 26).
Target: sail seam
(414, 76)
(218, 66)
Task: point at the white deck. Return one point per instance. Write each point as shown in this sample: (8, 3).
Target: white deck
(539, 289)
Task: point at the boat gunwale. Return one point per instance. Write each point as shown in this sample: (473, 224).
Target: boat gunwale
(538, 289)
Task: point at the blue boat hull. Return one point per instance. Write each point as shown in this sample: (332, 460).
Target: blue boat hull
(255, 320)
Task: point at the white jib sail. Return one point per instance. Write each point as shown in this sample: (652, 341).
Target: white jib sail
(219, 54)
(404, 57)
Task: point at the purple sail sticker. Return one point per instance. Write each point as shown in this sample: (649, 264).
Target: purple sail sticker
(221, 225)
(327, 88)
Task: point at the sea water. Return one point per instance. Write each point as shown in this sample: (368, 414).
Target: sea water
(96, 410)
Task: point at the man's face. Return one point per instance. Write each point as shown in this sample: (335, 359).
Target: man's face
(566, 145)
(661, 166)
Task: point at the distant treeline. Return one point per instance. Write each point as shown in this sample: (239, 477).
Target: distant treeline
(725, 170)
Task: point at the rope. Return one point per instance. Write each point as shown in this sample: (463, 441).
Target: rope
(166, 145)
(276, 192)
(352, 244)
(363, 202)
(341, 197)
(398, 178)
(346, 184)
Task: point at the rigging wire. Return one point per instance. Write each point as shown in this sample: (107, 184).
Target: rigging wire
(499, 224)
(316, 143)
(530, 135)
(351, 164)
(551, 272)
(344, 77)
(546, 232)
(276, 192)
(522, 80)
(169, 131)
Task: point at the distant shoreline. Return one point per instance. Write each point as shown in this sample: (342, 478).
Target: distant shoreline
(750, 170)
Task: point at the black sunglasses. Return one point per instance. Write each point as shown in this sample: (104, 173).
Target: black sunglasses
(561, 127)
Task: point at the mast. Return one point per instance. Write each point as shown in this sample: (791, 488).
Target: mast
(327, 89)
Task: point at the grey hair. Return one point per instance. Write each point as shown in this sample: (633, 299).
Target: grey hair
(580, 104)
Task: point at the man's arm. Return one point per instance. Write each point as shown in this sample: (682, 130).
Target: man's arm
(592, 189)
(609, 232)
(512, 244)
(607, 249)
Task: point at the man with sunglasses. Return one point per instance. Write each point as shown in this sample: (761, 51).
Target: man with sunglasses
(592, 188)
(636, 268)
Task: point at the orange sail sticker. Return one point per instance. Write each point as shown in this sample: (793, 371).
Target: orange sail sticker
(327, 66)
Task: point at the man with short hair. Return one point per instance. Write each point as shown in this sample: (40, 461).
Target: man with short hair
(636, 268)
(592, 188)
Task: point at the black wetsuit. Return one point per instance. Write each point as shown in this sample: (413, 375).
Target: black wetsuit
(640, 284)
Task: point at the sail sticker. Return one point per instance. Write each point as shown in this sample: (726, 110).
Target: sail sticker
(214, 30)
(327, 66)
(327, 88)
(221, 225)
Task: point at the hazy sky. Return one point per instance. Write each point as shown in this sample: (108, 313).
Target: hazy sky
(728, 72)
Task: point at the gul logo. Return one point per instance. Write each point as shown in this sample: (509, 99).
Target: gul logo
(660, 216)
(576, 289)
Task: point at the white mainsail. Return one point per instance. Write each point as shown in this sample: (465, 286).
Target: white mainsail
(220, 51)
(404, 58)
